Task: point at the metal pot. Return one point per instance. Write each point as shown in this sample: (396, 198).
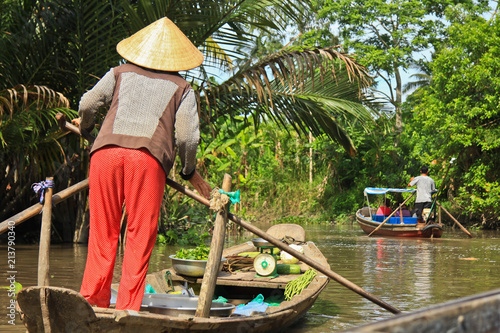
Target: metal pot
(189, 267)
(261, 242)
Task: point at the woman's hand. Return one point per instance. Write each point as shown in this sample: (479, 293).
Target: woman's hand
(201, 185)
(76, 121)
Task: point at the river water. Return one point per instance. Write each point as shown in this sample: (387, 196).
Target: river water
(406, 273)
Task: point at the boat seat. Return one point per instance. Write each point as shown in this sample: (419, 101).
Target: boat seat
(295, 231)
(410, 220)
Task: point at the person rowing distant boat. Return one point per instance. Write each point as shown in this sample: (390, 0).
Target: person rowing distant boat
(425, 187)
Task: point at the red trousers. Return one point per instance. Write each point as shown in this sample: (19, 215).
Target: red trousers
(119, 175)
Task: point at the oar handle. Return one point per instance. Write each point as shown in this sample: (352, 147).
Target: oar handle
(67, 126)
(325, 270)
(439, 191)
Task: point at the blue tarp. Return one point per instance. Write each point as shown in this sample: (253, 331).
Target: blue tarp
(381, 190)
(256, 305)
(394, 220)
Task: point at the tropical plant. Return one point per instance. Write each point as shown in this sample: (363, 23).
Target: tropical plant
(64, 45)
(78, 40)
(311, 90)
(29, 140)
(459, 117)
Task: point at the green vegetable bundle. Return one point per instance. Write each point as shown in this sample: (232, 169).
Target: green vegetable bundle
(296, 286)
(198, 253)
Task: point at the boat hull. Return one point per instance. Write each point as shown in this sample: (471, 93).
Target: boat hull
(397, 230)
(476, 313)
(65, 307)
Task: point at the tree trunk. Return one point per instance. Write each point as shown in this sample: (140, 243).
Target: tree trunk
(399, 99)
(310, 158)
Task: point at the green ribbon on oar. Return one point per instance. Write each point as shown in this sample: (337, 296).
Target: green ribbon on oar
(233, 196)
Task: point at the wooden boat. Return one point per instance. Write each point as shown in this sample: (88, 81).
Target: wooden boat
(391, 225)
(478, 313)
(66, 310)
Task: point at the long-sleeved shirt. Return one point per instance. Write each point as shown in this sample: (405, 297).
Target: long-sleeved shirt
(425, 187)
(147, 109)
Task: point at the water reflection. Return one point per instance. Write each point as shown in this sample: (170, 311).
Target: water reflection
(406, 273)
(403, 266)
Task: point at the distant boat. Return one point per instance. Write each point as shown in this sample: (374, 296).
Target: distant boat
(390, 225)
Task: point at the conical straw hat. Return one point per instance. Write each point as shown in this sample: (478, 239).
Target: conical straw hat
(162, 46)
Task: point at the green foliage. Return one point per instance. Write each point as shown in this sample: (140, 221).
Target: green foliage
(386, 36)
(302, 220)
(198, 253)
(459, 116)
(30, 142)
(183, 221)
(255, 124)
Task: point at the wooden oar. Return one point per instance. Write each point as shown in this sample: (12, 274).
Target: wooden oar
(279, 244)
(394, 212)
(455, 220)
(439, 191)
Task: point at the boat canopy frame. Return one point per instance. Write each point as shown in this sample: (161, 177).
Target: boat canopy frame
(383, 191)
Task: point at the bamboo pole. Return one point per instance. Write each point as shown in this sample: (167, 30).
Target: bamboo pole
(44, 249)
(214, 258)
(45, 310)
(35, 209)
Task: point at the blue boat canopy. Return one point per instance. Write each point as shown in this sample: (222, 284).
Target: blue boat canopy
(381, 190)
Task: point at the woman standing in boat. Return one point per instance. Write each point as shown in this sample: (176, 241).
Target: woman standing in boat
(425, 188)
(152, 110)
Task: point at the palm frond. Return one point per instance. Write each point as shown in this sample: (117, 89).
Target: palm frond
(27, 114)
(295, 68)
(221, 29)
(422, 80)
(284, 88)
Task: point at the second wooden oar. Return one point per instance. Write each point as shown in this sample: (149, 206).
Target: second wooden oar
(455, 220)
(214, 257)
